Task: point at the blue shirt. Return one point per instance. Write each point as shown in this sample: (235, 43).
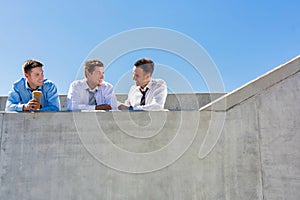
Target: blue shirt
(21, 93)
(78, 95)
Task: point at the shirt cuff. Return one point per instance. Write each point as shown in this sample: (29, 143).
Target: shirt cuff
(137, 108)
(20, 107)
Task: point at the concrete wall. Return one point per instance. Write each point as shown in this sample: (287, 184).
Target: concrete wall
(246, 148)
(174, 101)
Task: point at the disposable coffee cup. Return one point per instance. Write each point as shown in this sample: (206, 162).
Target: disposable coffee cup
(37, 95)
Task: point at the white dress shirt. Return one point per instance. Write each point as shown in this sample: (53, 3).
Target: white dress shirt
(78, 95)
(155, 96)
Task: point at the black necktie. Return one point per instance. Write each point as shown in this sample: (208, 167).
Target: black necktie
(92, 99)
(143, 99)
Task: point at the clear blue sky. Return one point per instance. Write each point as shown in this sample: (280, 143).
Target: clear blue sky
(245, 39)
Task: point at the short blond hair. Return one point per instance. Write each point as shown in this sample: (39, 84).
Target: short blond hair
(90, 65)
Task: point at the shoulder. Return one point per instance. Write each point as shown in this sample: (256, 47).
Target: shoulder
(20, 81)
(134, 87)
(79, 83)
(159, 82)
(48, 84)
(19, 84)
(106, 84)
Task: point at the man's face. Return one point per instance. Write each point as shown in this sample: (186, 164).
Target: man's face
(35, 77)
(139, 76)
(96, 77)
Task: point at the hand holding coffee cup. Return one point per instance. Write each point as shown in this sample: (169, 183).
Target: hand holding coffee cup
(31, 105)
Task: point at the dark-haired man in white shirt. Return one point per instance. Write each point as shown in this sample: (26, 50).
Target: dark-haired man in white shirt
(147, 93)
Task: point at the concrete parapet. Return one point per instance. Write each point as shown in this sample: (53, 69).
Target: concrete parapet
(183, 101)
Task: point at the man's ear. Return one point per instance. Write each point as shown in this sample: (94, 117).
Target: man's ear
(26, 75)
(86, 73)
(148, 76)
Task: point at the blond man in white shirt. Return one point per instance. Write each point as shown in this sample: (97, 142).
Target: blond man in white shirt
(92, 93)
(147, 93)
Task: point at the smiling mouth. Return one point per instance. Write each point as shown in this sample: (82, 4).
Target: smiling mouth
(100, 82)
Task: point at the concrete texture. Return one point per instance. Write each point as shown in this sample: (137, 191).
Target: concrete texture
(279, 118)
(247, 150)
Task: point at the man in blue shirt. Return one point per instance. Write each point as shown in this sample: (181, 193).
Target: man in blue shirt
(92, 93)
(20, 95)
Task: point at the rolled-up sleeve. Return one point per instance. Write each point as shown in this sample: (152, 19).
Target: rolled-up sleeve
(13, 101)
(51, 99)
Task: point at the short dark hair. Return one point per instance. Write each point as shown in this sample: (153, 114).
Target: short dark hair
(30, 64)
(90, 65)
(146, 64)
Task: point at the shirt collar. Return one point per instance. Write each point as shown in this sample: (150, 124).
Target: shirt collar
(149, 85)
(29, 88)
(86, 86)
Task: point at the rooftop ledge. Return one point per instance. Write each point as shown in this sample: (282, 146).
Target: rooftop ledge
(188, 101)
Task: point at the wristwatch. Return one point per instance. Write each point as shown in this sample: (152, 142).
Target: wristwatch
(130, 108)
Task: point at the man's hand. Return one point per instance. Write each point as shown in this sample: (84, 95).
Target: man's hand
(103, 107)
(31, 105)
(122, 107)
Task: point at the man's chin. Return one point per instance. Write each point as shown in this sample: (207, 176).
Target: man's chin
(100, 83)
